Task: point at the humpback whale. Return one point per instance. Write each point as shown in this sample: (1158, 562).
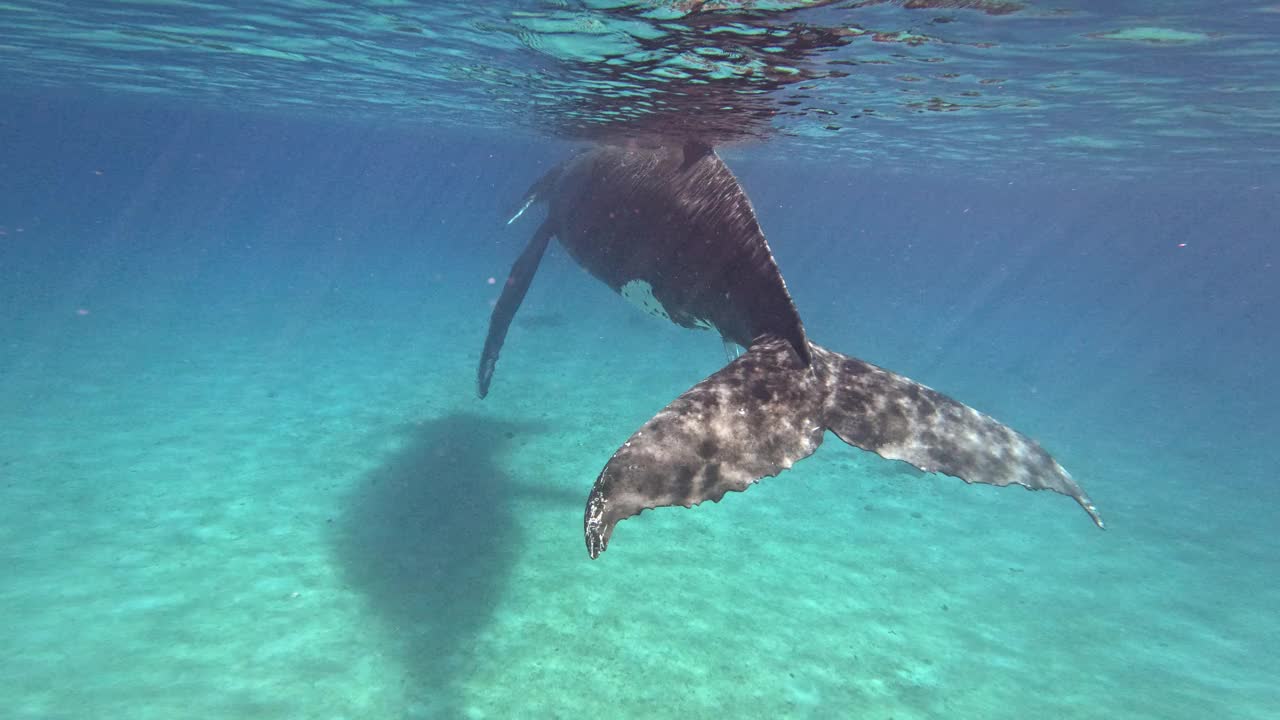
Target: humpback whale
(668, 226)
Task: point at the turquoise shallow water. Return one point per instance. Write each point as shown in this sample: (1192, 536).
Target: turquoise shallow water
(252, 479)
(248, 255)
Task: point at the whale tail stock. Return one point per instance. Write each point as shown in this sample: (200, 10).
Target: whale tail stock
(765, 410)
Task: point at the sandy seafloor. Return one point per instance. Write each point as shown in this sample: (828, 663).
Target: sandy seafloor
(275, 495)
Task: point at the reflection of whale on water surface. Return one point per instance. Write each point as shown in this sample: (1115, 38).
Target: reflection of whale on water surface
(671, 229)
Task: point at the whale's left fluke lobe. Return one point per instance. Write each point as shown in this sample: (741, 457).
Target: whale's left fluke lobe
(754, 418)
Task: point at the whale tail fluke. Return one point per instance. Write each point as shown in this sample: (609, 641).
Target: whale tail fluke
(766, 410)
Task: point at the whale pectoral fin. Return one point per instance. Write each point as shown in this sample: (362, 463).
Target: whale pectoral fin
(537, 191)
(732, 350)
(753, 419)
(694, 150)
(900, 419)
(513, 292)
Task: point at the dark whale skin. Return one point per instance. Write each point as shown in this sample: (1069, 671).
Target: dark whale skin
(676, 219)
(669, 227)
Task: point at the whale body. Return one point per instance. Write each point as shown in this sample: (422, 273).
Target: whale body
(668, 227)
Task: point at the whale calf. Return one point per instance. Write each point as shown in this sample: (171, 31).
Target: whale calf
(667, 226)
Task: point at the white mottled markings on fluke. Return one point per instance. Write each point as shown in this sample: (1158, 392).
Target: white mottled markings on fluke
(640, 294)
(766, 410)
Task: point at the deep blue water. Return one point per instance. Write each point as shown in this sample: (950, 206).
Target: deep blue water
(239, 344)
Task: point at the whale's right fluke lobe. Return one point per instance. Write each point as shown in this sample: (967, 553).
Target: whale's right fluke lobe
(900, 419)
(767, 409)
